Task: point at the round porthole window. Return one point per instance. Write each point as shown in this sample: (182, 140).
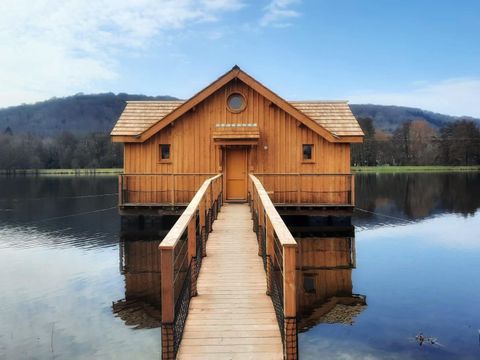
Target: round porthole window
(236, 102)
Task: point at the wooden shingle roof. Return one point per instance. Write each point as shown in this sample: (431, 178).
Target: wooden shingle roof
(140, 115)
(334, 116)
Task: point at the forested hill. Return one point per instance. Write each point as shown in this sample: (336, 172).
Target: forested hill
(82, 114)
(79, 114)
(389, 118)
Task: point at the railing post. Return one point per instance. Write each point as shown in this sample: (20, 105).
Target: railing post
(210, 206)
(120, 189)
(192, 251)
(201, 210)
(298, 189)
(269, 253)
(173, 189)
(261, 227)
(168, 303)
(352, 189)
(252, 202)
(290, 302)
(353, 254)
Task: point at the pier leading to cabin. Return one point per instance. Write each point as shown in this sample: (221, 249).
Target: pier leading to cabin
(232, 316)
(243, 303)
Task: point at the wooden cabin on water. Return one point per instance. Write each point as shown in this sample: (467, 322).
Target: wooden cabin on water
(234, 141)
(299, 150)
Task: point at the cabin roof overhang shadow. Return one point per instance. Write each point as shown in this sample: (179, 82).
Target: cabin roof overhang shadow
(333, 120)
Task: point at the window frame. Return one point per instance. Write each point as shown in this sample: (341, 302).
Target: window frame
(236, 111)
(160, 153)
(312, 153)
(309, 284)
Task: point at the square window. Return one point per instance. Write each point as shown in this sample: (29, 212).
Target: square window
(309, 284)
(164, 152)
(307, 152)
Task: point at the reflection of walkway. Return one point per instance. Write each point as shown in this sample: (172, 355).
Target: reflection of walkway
(232, 317)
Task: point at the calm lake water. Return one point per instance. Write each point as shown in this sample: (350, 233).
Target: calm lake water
(73, 287)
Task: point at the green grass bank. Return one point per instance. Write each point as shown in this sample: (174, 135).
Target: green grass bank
(413, 169)
(355, 169)
(42, 172)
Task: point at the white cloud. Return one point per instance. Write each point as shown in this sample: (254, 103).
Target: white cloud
(458, 96)
(55, 48)
(278, 13)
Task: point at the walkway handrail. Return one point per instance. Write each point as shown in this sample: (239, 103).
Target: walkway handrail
(278, 248)
(162, 189)
(181, 253)
(309, 188)
(171, 239)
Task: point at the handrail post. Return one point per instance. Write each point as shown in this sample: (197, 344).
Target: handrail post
(120, 189)
(173, 189)
(298, 189)
(192, 251)
(168, 303)
(290, 302)
(261, 228)
(269, 253)
(352, 189)
(201, 210)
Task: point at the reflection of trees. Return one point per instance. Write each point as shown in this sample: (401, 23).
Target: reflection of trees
(32, 199)
(418, 195)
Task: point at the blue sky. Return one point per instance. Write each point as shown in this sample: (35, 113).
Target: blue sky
(420, 53)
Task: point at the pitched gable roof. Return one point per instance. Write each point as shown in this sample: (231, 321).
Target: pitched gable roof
(142, 119)
(335, 116)
(138, 116)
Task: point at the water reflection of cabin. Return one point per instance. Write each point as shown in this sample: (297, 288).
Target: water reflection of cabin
(299, 150)
(324, 278)
(324, 275)
(140, 265)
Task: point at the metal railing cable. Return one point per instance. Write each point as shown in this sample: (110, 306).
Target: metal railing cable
(68, 216)
(385, 216)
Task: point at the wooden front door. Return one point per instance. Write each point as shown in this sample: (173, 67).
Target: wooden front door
(236, 174)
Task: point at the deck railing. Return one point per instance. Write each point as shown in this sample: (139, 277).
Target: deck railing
(278, 249)
(181, 253)
(315, 189)
(166, 189)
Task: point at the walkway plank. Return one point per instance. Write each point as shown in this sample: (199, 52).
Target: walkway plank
(232, 317)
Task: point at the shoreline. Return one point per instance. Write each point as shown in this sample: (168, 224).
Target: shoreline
(415, 169)
(355, 170)
(54, 172)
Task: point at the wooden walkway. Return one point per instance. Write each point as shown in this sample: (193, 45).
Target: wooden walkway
(232, 317)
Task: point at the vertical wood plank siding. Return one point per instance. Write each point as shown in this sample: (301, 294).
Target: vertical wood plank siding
(194, 151)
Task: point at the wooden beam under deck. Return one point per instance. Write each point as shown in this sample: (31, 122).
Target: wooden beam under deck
(283, 209)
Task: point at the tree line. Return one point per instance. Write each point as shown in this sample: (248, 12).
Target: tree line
(416, 142)
(66, 150)
(412, 143)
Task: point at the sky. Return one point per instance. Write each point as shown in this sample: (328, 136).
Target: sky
(420, 53)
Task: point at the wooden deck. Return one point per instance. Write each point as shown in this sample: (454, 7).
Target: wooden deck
(232, 317)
